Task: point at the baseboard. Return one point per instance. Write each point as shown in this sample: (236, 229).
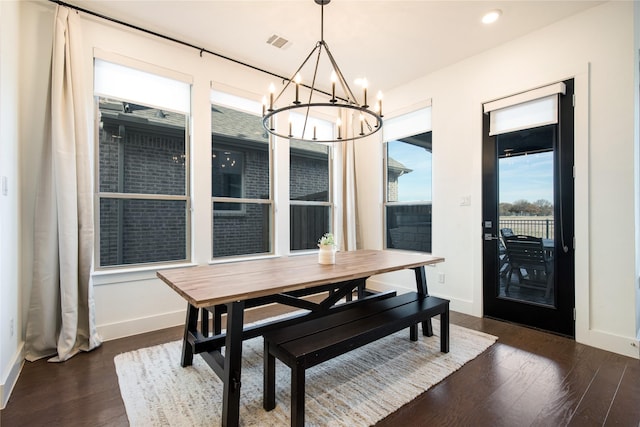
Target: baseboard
(140, 325)
(626, 346)
(12, 377)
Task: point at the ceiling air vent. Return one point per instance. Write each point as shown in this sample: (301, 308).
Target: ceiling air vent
(277, 41)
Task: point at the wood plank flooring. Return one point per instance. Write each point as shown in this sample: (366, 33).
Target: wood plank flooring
(528, 378)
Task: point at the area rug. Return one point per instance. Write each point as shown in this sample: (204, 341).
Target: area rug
(355, 389)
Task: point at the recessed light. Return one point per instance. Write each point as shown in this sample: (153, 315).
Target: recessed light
(491, 17)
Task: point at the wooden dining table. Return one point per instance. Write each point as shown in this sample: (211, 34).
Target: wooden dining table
(232, 287)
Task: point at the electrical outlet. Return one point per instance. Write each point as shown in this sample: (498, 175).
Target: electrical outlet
(11, 327)
(440, 277)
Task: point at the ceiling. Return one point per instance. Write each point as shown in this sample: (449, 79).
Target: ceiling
(389, 42)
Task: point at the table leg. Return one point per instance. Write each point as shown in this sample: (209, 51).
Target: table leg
(232, 364)
(421, 284)
(190, 327)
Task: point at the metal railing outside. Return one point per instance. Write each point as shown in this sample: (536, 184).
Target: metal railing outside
(543, 228)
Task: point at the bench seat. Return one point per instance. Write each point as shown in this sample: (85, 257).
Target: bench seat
(312, 342)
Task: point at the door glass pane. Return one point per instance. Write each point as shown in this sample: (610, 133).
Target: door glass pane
(526, 215)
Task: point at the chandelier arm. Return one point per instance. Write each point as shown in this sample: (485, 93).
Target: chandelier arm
(296, 72)
(343, 82)
(313, 85)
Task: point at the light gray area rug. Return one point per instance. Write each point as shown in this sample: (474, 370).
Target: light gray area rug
(356, 389)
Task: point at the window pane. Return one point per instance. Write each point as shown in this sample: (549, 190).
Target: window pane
(242, 232)
(409, 169)
(409, 227)
(309, 171)
(308, 224)
(142, 149)
(242, 136)
(139, 231)
(228, 170)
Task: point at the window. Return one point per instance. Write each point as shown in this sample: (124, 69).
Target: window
(242, 203)
(310, 194)
(310, 205)
(143, 164)
(408, 198)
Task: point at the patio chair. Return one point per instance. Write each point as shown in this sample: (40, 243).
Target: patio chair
(504, 267)
(528, 253)
(506, 232)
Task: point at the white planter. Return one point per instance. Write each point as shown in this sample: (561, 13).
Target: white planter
(327, 254)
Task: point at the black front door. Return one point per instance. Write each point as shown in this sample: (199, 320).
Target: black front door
(528, 223)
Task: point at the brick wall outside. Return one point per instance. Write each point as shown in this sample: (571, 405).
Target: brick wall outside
(145, 230)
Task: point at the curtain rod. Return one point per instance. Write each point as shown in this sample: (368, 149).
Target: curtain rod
(163, 36)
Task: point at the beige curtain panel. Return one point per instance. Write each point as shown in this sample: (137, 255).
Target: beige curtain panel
(61, 318)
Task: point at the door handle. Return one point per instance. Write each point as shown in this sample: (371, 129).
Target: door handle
(489, 236)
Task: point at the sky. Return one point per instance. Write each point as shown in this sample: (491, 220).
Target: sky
(416, 185)
(527, 177)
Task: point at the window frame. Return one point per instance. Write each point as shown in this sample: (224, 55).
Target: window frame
(411, 125)
(244, 105)
(105, 195)
(330, 203)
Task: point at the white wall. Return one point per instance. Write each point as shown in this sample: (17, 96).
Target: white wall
(597, 49)
(10, 330)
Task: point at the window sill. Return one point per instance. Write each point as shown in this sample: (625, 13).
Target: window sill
(133, 274)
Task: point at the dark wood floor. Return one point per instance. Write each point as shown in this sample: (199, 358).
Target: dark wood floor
(528, 378)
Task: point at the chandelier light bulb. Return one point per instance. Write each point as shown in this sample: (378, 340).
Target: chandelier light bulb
(297, 81)
(334, 78)
(272, 90)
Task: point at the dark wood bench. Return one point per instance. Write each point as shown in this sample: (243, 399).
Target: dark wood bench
(312, 342)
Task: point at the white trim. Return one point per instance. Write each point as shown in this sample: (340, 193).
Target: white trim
(6, 387)
(523, 97)
(115, 80)
(141, 65)
(530, 114)
(409, 124)
(140, 325)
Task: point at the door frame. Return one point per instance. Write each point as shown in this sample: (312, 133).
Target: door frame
(561, 318)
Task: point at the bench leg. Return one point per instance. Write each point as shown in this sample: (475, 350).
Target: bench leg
(444, 331)
(269, 380)
(297, 396)
(427, 328)
(413, 332)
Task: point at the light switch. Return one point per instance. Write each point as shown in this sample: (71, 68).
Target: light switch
(5, 186)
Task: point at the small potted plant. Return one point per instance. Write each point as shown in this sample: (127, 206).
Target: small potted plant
(327, 253)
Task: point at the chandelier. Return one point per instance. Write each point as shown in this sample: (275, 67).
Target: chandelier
(364, 121)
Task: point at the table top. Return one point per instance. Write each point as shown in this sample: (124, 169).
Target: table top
(207, 285)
